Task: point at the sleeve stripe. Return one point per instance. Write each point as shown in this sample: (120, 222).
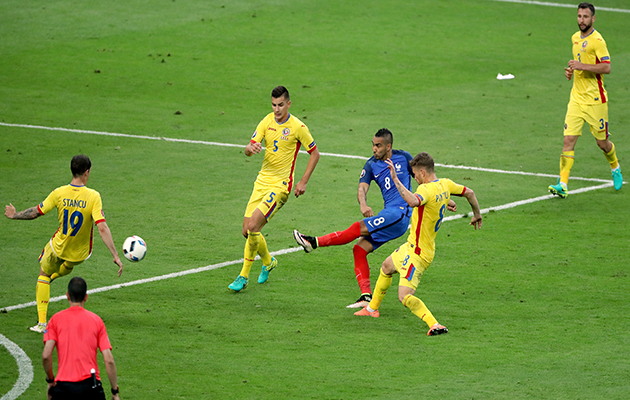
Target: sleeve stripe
(99, 221)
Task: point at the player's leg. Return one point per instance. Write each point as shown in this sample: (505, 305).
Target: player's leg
(49, 265)
(272, 203)
(598, 121)
(409, 280)
(362, 272)
(64, 269)
(573, 123)
(254, 225)
(389, 224)
(382, 284)
(309, 243)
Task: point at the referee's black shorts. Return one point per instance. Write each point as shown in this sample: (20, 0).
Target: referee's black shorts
(83, 390)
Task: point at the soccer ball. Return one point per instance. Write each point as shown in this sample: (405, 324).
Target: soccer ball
(134, 248)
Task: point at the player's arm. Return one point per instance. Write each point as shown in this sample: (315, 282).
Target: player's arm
(106, 235)
(252, 148)
(47, 360)
(362, 198)
(601, 68)
(11, 213)
(405, 193)
(474, 204)
(110, 367)
(300, 188)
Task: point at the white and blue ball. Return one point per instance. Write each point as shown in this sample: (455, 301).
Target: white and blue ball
(134, 248)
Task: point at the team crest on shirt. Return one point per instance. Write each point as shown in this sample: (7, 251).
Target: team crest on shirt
(585, 43)
(398, 167)
(286, 131)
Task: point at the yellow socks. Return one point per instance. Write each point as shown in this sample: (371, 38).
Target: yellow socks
(419, 309)
(382, 284)
(566, 163)
(611, 156)
(251, 248)
(42, 295)
(263, 251)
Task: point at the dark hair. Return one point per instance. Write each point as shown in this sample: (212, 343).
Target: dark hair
(280, 91)
(423, 161)
(587, 5)
(386, 134)
(77, 289)
(80, 164)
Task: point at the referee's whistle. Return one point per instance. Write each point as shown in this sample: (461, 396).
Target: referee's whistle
(93, 372)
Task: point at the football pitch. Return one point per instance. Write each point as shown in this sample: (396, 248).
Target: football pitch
(164, 95)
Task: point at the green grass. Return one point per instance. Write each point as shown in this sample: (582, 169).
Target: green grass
(536, 302)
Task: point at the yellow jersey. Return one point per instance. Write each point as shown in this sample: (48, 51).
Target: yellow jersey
(79, 208)
(427, 217)
(588, 87)
(282, 144)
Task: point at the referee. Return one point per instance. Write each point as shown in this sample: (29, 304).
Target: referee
(77, 333)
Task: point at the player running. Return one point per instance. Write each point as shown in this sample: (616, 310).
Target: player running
(411, 259)
(589, 99)
(374, 230)
(284, 134)
(79, 209)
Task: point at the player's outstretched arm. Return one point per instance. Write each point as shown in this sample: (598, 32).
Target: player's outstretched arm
(362, 198)
(106, 235)
(404, 192)
(300, 188)
(474, 204)
(10, 212)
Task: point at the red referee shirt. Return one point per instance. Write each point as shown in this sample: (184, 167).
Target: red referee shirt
(77, 333)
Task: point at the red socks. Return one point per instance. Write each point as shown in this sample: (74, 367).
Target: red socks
(341, 237)
(362, 269)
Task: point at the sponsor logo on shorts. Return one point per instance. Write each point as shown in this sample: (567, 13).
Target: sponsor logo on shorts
(565, 126)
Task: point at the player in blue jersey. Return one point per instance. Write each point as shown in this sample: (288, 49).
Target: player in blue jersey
(374, 230)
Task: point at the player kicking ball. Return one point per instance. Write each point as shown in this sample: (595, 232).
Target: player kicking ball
(410, 260)
(373, 231)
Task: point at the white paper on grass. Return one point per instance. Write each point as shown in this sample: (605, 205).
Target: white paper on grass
(504, 77)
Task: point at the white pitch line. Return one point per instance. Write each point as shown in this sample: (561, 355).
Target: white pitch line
(154, 279)
(25, 368)
(564, 5)
(287, 251)
(497, 171)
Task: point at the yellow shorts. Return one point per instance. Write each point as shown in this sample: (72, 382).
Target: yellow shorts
(595, 115)
(268, 199)
(50, 263)
(409, 265)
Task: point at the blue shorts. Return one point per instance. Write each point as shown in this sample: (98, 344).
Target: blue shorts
(389, 224)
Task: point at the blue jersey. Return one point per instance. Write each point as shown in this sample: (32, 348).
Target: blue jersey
(377, 170)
